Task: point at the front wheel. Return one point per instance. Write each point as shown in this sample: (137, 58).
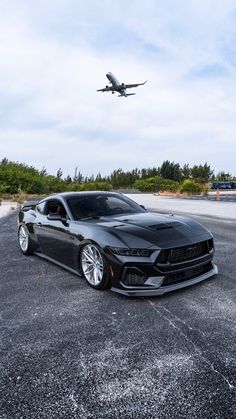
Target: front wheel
(25, 242)
(94, 266)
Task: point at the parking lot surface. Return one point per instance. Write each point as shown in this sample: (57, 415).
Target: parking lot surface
(68, 351)
(217, 209)
(6, 207)
(212, 197)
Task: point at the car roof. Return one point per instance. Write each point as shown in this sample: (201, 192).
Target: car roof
(82, 193)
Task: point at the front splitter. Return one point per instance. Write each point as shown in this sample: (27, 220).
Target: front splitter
(151, 292)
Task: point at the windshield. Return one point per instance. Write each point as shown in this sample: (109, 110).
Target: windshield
(101, 205)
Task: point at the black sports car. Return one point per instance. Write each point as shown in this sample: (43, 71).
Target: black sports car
(115, 243)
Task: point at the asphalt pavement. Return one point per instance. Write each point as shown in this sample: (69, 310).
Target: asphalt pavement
(68, 351)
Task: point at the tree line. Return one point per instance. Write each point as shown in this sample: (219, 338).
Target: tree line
(18, 177)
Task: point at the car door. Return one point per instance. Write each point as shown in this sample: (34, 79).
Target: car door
(54, 235)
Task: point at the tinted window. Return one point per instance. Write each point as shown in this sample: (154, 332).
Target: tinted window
(101, 205)
(56, 207)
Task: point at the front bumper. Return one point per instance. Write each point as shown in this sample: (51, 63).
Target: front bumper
(160, 290)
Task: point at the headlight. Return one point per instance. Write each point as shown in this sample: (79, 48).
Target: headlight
(130, 252)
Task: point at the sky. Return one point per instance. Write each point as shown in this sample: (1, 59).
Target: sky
(55, 54)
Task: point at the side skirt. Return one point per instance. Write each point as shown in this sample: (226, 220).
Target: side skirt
(67, 268)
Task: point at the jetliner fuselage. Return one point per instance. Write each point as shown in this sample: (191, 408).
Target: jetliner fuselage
(118, 87)
(112, 79)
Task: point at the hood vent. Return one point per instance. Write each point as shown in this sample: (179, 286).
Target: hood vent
(165, 226)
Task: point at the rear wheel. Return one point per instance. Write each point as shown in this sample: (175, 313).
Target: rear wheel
(94, 266)
(25, 241)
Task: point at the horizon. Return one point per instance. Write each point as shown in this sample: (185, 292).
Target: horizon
(90, 175)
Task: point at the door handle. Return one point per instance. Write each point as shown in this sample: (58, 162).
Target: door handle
(39, 224)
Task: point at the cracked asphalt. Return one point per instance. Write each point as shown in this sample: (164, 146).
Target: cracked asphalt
(68, 351)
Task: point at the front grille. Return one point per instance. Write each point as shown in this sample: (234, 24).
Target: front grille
(184, 253)
(184, 276)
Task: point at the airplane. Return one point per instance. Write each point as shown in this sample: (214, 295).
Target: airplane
(117, 87)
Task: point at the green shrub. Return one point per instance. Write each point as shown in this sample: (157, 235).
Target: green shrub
(205, 189)
(3, 188)
(166, 185)
(145, 185)
(73, 187)
(156, 184)
(190, 187)
(95, 186)
(89, 186)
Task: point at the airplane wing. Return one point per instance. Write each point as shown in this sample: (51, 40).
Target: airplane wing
(106, 89)
(128, 86)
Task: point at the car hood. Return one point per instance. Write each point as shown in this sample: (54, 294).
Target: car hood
(153, 229)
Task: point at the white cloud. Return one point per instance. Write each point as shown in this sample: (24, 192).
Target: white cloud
(54, 55)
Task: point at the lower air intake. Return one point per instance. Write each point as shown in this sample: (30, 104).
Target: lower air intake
(189, 274)
(134, 278)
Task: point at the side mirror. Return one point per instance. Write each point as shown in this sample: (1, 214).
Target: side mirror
(143, 207)
(54, 217)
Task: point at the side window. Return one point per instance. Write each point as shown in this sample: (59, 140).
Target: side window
(56, 207)
(40, 207)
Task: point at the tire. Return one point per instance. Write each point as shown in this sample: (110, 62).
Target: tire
(25, 242)
(94, 267)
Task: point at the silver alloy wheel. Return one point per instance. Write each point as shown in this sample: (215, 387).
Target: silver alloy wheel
(23, 238)
(92, 264)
